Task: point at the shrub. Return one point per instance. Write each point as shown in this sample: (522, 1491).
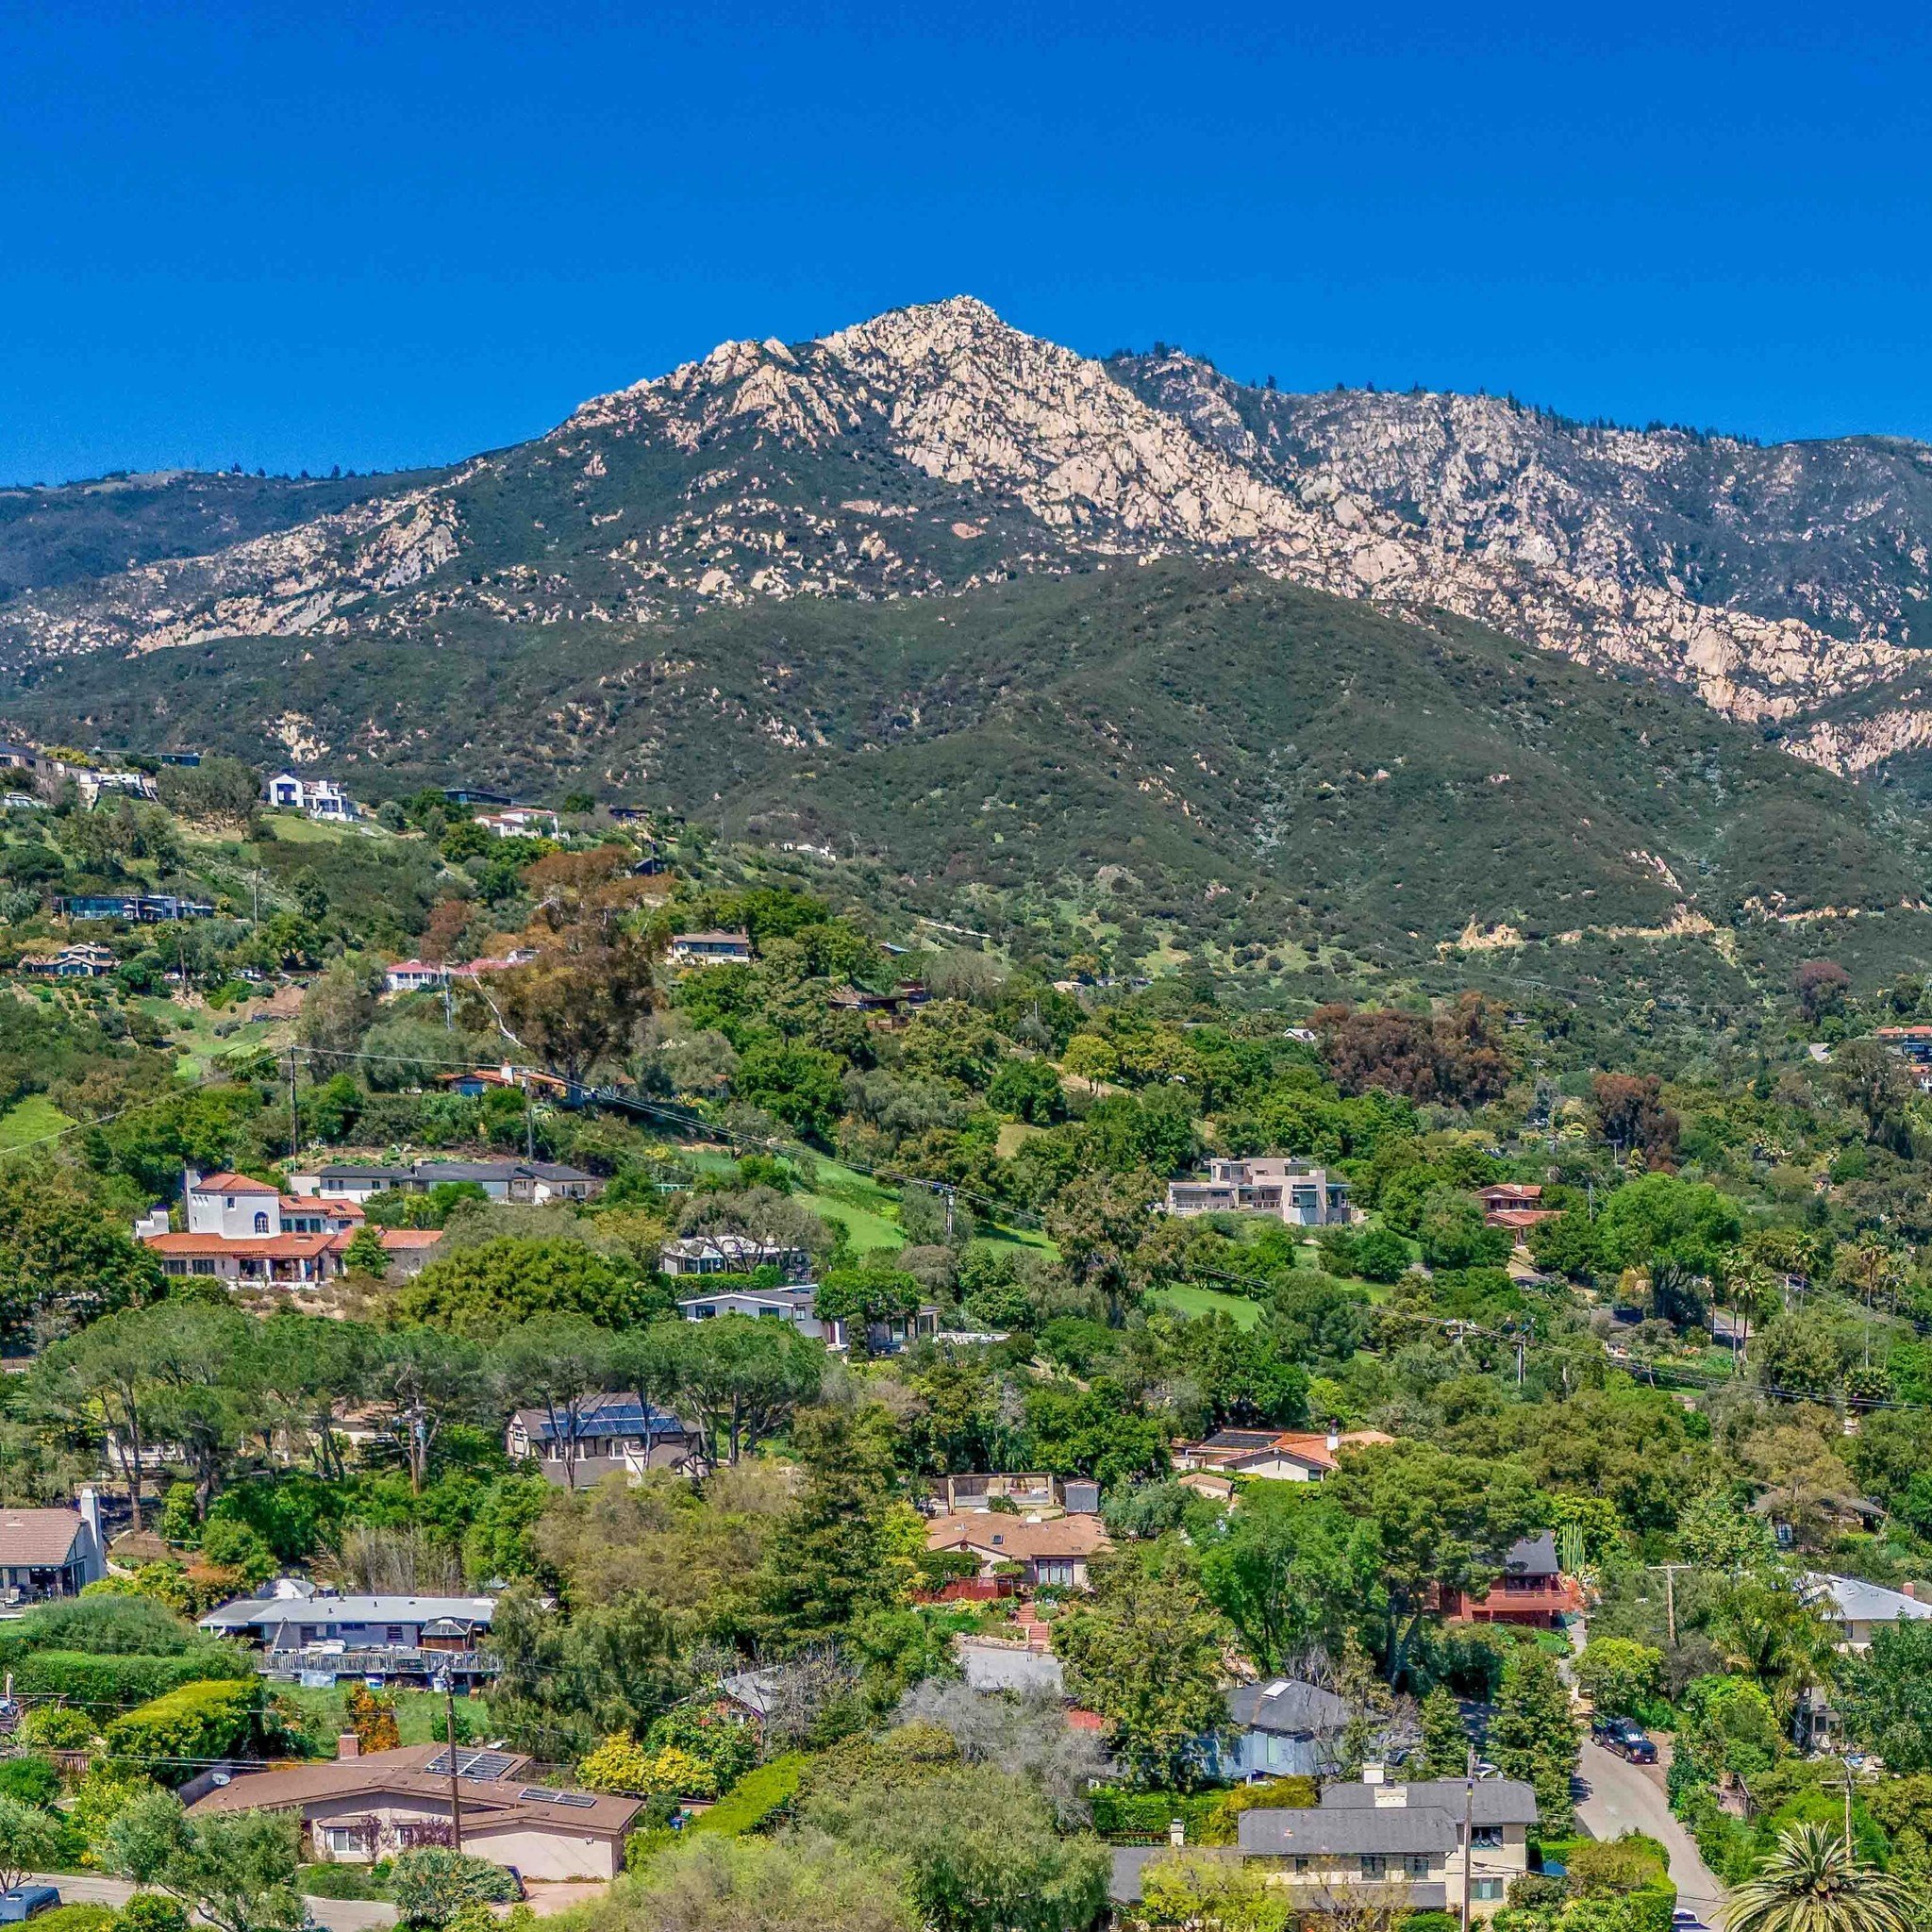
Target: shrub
(756, 1797)
(1147, 1814)
(1221, 1826)
(29, 1781)
(152, 1911)
(77, 1918)
(109, 1626)
(432, 1884)
(620, 1763)
(183, 1730)
(54, 1727)
(1621, 1674)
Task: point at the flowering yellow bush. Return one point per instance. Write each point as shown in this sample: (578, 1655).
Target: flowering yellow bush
(620, 1763)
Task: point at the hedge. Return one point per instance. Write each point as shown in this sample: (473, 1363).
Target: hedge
(122, 1682)
(177, 1734)
(755, 1797)
(1148, 1814)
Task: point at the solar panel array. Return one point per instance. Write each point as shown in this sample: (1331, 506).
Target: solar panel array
(579, 1800)
(476, 1764)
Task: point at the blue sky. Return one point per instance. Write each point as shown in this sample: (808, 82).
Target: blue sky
(296, 235)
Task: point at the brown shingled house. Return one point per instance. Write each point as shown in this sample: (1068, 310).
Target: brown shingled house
(362, 1808)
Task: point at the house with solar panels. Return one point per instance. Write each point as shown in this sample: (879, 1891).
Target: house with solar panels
(370, 1806)
(609, 1435)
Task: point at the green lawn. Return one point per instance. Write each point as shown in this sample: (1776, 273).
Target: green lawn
(192, 1032)
(1209, 1300)
(32, 1119)
(420, 1714)
(291, 828)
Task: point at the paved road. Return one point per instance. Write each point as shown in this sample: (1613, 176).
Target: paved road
(336, 1914)
(1630, 1797)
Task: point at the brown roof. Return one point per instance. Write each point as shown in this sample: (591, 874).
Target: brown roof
(38, 1537)
(1525, 1191)
(226, 1183)
(1519, 1217)
(999, 1535)
(403, 1773)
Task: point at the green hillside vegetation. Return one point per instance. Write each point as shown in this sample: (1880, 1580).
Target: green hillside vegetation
(1250, 767)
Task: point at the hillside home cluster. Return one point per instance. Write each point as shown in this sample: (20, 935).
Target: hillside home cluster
(1289, 1456)
(428, 975)
(1295, 1192)
(245, 1231)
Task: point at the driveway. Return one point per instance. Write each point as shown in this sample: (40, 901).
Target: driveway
(1630, 1797)
(336, 1914)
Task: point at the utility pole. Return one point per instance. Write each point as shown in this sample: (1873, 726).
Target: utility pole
(456, 1796)
(1670, 1570)
(1468, 1832)
(529, 1117)
(294, 1119)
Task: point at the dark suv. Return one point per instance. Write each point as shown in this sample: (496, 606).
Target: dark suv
(1628, 1741)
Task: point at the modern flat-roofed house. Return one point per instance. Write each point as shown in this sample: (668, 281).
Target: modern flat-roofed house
(363, 1807)
(48, 1553)
(320, 798)
(1054, 1551)
(1295, 1192)
(711, 949)
(1282, 1728)
(519, 822)
(613, 1434)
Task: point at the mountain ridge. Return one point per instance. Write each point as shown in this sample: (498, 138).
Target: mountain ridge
(933, 450)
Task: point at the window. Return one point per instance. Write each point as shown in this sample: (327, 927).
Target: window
(1374, 1865)
(1416, 1865)
(392, 1632)
(1301, 1866)
(261, 1224)
(1488, 1889)
(203, 1265)
(1486, 1838)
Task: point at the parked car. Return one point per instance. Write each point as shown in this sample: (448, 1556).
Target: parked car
(25, 1902)
(1632, 1742)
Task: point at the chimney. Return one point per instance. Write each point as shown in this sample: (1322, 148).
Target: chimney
(348, 1745)
(1334, 1440)
(91, 1515)
(1909, 1589)
(1373, 1773)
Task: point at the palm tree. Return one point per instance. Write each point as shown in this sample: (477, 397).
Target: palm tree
(1813, 1883)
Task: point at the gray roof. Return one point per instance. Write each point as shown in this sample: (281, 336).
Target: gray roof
(258, 1613)
(1131, 1861)
(1497, 1800)
(999, 1667)
(752, 1688)
(1855, 1601)
(433, 1171)
(1349, 1830)
(1535, 1555)
(1285, 1706)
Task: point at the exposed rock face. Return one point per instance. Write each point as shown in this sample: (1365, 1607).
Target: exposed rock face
(932, 449)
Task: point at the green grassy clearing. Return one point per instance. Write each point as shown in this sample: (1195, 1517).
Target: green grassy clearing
(29, 1120)
(421, 1716)
(1209, 1300)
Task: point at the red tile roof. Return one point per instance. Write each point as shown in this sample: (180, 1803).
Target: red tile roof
(226, 1183)
(280, 1247)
